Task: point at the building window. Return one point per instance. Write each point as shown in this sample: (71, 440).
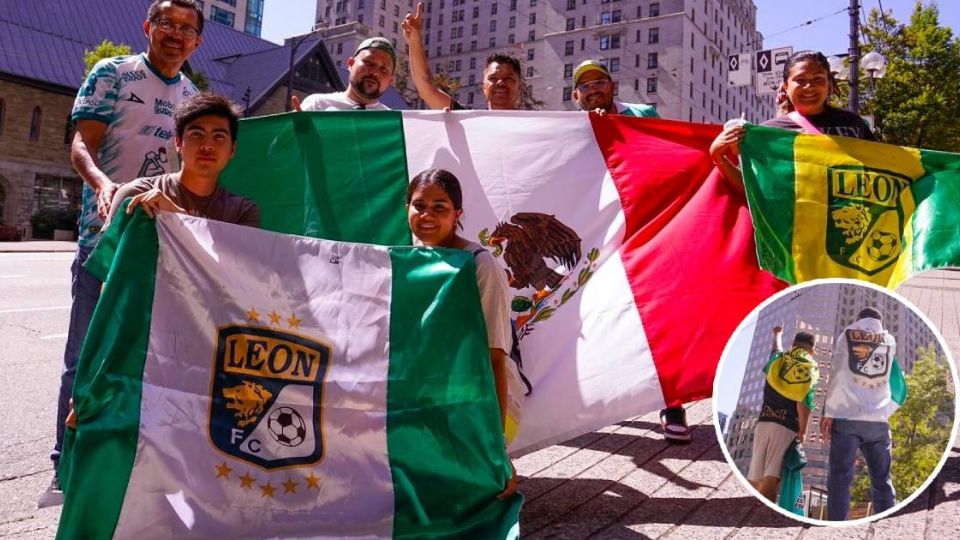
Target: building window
(470, 98)
(493, 9)
(604, 43)
(605, 17)
(533, 18)
(493, 24)
(615, 41)
(530, 54)
(654, 10)
(654, 35)
(571, 23)
(567, 71)
(651, 85)
(530, 71)
(473, 29)
(532, 35)
(473, 63)
(571, 4)
(512, 22)
(493, 42)
(636, 85)
(651, 60)
(254, 20)
(614, 65)
(50, 191)
(567, 93)
(381, 21)
(639, 12)
(568, 48)
(35, 120)
(221, 16)
(511, 39)
(615, 16)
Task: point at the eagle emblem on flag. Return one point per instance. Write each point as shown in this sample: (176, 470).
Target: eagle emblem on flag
(540, 253)
(266, 396)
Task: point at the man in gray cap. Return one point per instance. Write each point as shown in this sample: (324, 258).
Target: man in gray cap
(371, 74)
(595, 90)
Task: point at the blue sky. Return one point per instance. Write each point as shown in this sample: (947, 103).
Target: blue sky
(775, 19)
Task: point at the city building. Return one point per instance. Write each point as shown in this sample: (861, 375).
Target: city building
(42, 45)
(668, 53)
(824, 311)
(243, 15)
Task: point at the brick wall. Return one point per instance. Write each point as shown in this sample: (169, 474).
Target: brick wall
(19, 103)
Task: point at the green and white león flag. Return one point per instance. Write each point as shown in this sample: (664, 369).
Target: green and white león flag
(243, 383)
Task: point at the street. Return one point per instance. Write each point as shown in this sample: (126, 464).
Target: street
(621, 481)
(34, 312)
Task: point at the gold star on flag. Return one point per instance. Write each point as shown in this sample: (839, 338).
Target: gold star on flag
(313, 482)
(289, 486)
(293, 321)
(223, 471)
(275, 318)
(246, 481)
(267, 490)
(253, 316)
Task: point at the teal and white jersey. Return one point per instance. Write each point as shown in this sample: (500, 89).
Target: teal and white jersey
(136, 103)
(635, 109)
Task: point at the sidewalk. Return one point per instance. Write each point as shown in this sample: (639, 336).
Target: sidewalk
(37, 246)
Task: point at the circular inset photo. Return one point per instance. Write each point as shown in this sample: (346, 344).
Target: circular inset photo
(835, 402)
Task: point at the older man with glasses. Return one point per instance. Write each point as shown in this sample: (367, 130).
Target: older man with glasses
(595, 90)
(124, 130)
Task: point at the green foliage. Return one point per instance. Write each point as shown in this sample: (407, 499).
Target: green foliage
(918, 101)
(921, 427)
(199, 79)
(106, 49)
(45, 220)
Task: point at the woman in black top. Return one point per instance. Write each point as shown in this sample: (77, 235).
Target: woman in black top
(804, 105)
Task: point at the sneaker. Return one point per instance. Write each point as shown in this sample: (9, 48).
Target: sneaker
(53, 496)
(673, 420)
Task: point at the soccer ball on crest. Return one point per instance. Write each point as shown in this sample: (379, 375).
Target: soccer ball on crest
(286, 426)
(882, 245)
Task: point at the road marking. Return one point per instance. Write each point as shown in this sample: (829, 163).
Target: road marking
(54, 336)
(30, 310)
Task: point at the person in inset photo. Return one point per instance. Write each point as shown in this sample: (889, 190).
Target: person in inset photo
(826, 431)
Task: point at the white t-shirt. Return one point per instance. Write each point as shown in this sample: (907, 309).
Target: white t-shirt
(494, 298)
(337, 101)
(136, 103)
(859, 386)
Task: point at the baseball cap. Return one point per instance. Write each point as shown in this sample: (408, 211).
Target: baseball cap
(378, 43)
(589, 65)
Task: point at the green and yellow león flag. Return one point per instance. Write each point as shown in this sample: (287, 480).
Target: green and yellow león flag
(839, 207)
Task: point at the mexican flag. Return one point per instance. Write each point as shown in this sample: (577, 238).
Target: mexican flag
(243, 383)
(630, 261)
(829, 206)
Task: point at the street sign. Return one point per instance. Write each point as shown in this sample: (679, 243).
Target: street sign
(738, 69)
(770, 69)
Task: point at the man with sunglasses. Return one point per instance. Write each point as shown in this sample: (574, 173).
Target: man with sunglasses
(124, 130)
(594, 90)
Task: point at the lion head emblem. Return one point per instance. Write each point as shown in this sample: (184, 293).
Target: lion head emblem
(248, 400)
(852, 221)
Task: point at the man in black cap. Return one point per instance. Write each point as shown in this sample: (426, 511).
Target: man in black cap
(371, 74)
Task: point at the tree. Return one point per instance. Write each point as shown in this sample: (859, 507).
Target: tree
(528, 102)
(917, 102)
(106, 49)
(920, 427)
(199, 79)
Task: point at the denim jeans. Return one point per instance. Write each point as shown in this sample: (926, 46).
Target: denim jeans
(873, 440)
(85, 290)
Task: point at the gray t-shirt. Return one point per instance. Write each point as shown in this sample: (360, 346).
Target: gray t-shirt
(221, 205)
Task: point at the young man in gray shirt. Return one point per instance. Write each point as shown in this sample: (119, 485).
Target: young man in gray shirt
(206, 138)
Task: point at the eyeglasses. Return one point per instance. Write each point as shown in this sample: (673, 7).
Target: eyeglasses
(171, 27)
(599, 84)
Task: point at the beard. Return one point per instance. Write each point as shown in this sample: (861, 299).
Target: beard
(368, 87)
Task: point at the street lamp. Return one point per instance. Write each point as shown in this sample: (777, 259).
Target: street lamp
(873, 63)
